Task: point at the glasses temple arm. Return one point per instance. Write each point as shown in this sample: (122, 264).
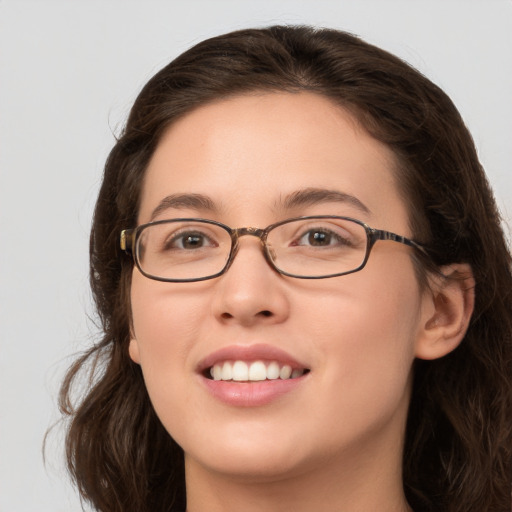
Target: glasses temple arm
(126, 240)
(378, 234)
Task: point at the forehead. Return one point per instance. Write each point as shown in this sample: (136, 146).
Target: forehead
(250, 151)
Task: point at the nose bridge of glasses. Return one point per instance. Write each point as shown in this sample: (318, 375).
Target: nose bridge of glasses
(256, 232)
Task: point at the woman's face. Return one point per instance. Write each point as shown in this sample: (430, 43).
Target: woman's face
(354, 335)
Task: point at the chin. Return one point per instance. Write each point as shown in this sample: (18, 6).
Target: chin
(249, 466)
(248, 455)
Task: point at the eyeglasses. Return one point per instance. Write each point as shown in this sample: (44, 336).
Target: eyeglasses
(318, 247)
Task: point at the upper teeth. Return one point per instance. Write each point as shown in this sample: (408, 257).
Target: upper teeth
(255, 371)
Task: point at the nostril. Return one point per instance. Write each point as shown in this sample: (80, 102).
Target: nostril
(265, 313)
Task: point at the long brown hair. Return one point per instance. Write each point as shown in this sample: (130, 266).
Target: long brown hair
(457, 455)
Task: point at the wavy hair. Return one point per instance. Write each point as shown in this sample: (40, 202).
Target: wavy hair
(457, 454)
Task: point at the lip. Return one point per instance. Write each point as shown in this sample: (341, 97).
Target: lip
(250, 394)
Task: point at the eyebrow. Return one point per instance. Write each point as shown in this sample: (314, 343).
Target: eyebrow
(314, 196)
(184, 201)
(298, 199)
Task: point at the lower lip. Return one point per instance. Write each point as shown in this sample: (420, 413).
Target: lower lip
(251, 394)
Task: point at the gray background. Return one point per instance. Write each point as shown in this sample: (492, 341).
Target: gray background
(69, 71)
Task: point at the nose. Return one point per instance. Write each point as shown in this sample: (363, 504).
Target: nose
(251, 291)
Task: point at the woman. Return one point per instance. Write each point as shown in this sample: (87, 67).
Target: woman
(358, 356)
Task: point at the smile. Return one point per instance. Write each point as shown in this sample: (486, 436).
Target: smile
(252, 375)
(245, 371)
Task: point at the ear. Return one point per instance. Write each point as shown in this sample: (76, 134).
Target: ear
(133, 350)
(448, 306)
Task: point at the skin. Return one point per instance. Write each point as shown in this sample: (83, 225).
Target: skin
(335, 441)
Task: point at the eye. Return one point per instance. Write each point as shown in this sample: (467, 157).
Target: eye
(316, 238)
(320, 237)
(189, 240)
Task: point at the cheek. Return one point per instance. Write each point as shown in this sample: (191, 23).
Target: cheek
(166, 325)
(365, 308)
(165, 329)
(365, 337)
(165, 316)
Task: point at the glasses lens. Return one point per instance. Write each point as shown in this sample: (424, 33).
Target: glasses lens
(318, 247)
(181, 250)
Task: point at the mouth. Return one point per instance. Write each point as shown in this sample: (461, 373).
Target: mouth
(253, 371)
(252, 375)
(251, 363)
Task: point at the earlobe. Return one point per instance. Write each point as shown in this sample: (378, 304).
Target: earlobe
(133, 350)
(448, 307)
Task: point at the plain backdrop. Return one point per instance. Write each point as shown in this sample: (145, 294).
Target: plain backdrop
(69, 71)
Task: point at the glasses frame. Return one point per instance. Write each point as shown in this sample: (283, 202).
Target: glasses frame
(129, 239)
